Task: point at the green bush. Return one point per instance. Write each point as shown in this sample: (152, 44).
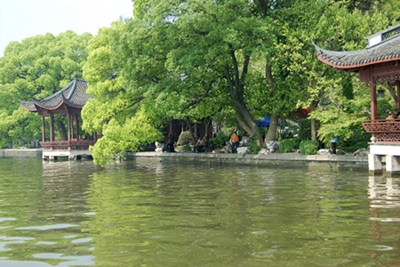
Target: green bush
(219, 141)
(185, 139)
(309, 147)
(296, 142)
(305, 129)
(253, 148)
(286, 146)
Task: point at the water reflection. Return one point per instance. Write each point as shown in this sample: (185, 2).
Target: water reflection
(41, 205)
(384, 193)
(156, 214)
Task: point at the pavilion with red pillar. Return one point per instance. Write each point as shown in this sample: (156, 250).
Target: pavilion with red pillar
(68, 101)
(378, 63)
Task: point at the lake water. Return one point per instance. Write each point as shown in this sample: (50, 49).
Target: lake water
(156, 214)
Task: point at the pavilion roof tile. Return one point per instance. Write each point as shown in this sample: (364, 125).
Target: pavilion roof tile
(384, 51)
(73, 94)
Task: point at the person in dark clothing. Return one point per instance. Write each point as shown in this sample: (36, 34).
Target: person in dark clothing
(234, 142)
(170, 143)
(201, 143)
(333, 142)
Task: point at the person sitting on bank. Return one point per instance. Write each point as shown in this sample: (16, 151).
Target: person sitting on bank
(170, 143)
(333, 142)
(234, 142)
(397, 117)
(391, 116)
(201, 143)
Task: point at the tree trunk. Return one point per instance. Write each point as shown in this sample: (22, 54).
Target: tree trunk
(273, 126)
(236, 86)
(207, 122)
(247, 122)
(61, 129)
(191, 131)
(313, 129)
(313, 106)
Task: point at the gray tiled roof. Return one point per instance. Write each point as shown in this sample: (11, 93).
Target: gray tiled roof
(73, 94)
(384, 51)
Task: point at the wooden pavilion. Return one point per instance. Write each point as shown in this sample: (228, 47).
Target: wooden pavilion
(68, 101)
(377, 64)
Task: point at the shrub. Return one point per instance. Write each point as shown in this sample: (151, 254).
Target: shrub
(185, 139)
(305, 129)
(309, 147)
(286, 146)
(296, 142)
(219, 141)
(253, 148)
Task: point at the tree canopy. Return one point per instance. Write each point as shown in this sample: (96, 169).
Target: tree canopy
(38, 66)
(231, 60)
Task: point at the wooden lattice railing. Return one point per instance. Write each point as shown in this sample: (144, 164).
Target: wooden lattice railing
(383, 130)
(65, 145)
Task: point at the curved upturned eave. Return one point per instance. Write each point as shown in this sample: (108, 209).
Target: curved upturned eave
(25, 107)
(64, 101)
(357, 65)
(31, 110)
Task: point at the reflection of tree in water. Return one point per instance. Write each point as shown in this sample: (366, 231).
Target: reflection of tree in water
(166, 215)
(384, 195)
(63, 188)
(47, 203)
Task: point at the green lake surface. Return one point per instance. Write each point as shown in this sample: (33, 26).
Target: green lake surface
(149, 213)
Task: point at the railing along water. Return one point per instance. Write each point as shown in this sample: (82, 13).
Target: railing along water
(383, 130)
(65, 145)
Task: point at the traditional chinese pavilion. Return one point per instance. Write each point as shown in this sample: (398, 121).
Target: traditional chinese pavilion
(68, 101)
(377, 64)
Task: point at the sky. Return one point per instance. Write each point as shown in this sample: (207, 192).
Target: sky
(20, 19)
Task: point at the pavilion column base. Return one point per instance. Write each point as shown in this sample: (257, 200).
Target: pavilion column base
(69, 154)
(374, 164)
(392, 165)
(388, 151)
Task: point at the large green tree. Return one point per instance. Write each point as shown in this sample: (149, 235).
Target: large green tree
(38, 66)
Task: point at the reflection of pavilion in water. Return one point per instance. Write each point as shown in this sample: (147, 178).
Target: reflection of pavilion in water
(384, 193)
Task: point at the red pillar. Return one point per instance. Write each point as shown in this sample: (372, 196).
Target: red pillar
(43, 130)
(51, 127)
(77, 126)
(69, 127)
(398, 96)
(374, 111)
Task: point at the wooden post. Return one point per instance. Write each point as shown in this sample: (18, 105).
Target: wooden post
(69, 127)
(77, 126)
(51, 128)
(43, 130)
(374, 111)
(398, 96)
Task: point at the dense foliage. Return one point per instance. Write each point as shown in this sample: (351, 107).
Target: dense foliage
(233, 61)
(254, 148)
(286, 146)
(219, 141)
(309, 147)
(37, 67)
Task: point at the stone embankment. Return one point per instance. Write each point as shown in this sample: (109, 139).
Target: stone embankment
(276, 159)
(21, 153)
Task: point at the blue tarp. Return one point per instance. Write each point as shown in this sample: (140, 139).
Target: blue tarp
(264, 122)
